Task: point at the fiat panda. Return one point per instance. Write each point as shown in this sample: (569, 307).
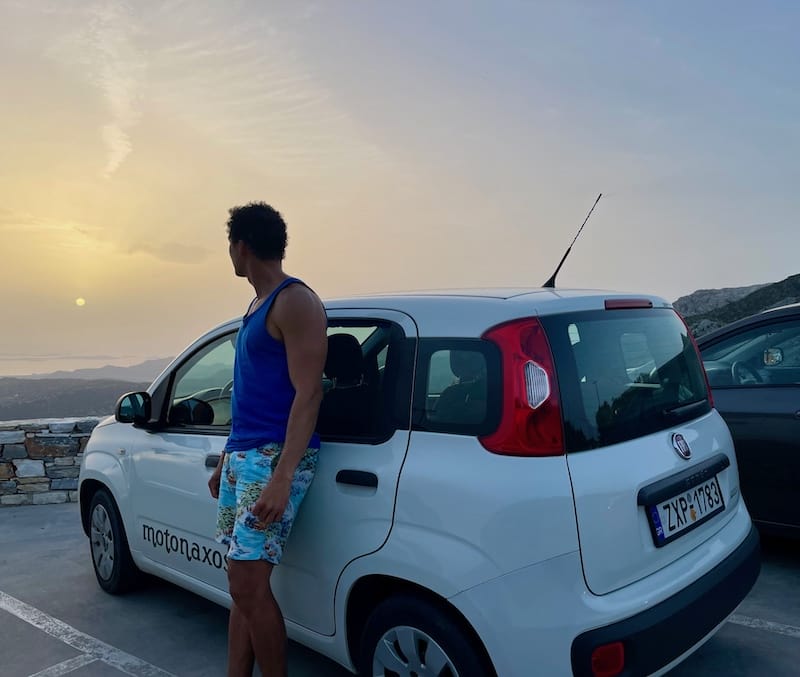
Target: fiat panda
(511, 482)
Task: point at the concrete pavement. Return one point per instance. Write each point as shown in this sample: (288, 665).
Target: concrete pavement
(55, 620)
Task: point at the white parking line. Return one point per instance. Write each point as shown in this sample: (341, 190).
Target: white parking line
(769, 626)
(65, 667)
(130, 665)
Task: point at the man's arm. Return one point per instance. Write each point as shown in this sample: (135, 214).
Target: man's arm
(303, 325)
(300, 318)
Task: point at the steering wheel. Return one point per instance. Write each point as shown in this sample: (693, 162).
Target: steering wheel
(743, 374)
(227, 390)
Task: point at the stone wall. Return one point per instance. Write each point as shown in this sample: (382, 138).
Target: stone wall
(40, 460)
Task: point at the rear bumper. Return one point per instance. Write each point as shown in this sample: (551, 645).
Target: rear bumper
(657, 636)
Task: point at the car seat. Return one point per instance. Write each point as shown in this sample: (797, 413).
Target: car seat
(464, 402)
(348, 406)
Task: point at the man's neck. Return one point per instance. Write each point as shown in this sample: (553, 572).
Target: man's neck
(265, 278)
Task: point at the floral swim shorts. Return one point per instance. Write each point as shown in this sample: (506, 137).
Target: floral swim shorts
(244, 475)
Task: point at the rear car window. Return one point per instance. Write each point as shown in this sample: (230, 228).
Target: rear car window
(624, 374)
(461, 386)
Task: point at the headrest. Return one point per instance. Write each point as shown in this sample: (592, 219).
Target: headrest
(467, 364)
(345, 360)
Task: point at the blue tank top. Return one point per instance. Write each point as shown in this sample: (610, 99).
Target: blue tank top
(262, 393)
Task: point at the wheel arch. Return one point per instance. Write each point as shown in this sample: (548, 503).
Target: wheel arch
(89, 487)
(369, 591)
(101, 470)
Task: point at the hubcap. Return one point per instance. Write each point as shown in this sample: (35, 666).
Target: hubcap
(409, 652)
(102, 542)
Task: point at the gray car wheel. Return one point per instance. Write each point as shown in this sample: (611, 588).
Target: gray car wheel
(111, 557)
(405, 650)
(409, 636)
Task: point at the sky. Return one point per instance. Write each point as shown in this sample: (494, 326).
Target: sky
(409, 145)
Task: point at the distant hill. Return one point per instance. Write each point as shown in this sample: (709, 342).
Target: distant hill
(144, 371)
(27, 398)
(708, 309)
(708, 300)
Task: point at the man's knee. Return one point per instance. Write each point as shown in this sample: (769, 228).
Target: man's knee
(248, 583)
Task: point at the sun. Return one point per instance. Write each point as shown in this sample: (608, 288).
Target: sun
(80, 301)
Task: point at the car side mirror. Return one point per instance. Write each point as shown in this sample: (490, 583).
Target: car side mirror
(773, 357)
(133, 408)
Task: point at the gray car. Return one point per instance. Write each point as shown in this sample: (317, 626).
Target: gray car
(753, 367)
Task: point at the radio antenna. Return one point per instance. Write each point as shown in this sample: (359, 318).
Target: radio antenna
(552, 281)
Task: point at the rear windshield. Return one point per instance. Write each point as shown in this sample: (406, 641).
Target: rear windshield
(624, 374)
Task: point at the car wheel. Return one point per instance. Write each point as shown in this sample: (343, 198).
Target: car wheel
(113, 566)
(411, 637)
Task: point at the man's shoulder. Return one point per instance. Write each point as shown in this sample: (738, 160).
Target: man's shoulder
(298, 299)
(298, 290)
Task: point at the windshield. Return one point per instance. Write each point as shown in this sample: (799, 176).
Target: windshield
(624, 374)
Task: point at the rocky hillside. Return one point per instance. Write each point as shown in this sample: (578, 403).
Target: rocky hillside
(60, 397)
(709, 309)
(708, 300)
(144, 371)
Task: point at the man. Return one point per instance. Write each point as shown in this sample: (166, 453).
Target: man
(271, 454)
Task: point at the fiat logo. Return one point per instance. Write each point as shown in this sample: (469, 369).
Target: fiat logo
(681, 446)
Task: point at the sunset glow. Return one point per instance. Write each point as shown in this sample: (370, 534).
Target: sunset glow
(408, 146)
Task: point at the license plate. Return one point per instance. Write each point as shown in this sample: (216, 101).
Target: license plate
(672, 518)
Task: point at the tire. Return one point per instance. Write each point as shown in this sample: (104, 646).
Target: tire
(409, 635)
(111, 557)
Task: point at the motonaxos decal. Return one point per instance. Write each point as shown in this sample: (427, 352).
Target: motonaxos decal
(177, 545)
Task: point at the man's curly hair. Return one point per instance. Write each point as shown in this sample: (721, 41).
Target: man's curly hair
(261, 228)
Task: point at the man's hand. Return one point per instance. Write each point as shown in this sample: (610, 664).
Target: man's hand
(272, 502)
(214, 480)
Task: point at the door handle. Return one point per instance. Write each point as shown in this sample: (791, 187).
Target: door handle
(359, 478)
(212, 460)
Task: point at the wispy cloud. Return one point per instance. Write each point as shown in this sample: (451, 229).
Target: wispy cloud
(245, 84)
(109, 57)
(231, 72)
(23, 221)
(171, 252)
(121, 73)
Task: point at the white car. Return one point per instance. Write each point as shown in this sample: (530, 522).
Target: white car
(511, 483)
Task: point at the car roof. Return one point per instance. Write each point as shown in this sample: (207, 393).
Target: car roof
(785, 311)
(537, 294)
(495, 300)
(441, 309)
(788, 306)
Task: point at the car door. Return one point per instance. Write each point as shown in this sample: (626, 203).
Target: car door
(364, 424)
(174, 511)
(349, 507)
(761, 405)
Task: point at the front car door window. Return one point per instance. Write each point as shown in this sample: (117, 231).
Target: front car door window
(766, 355)
(201, 391)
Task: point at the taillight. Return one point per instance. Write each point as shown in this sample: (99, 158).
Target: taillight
(699, 358)
(530, 424)
(608, 660)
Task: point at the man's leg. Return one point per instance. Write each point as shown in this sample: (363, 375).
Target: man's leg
(254, 552)
(241, 658)
(255, 615)
(240, 650)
